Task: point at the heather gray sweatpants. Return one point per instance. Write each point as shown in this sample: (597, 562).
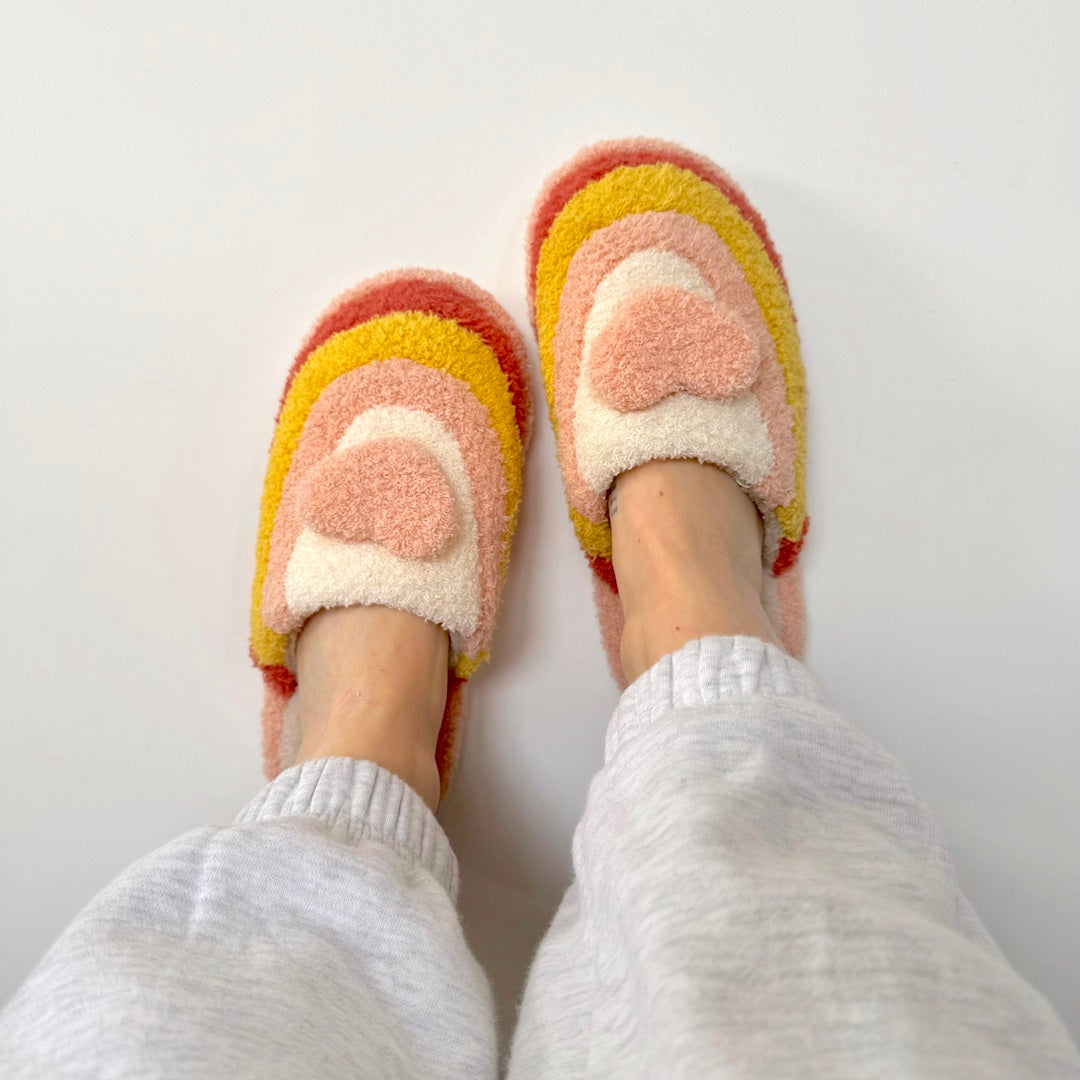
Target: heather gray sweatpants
(759, 892)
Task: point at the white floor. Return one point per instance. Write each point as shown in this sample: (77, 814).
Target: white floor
(183, 187)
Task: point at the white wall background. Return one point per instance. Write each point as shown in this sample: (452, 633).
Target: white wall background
(185, 185)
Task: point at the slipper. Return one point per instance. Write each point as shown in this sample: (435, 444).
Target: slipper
(666, 330)
(394, 478)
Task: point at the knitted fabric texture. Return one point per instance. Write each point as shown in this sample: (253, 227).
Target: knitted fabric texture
(666, 330)
(394, 478)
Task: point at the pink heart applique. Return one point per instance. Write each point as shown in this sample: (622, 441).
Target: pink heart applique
(663, 341)
(390, 491)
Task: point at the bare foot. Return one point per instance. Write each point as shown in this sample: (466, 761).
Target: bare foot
(686, 548)
(372, 686)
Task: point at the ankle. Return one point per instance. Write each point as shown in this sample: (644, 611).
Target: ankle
(656, 626)
(686, 550)
(372, 686)
(386, 739)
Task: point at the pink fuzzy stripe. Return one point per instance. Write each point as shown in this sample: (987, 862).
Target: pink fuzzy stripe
(279, 684)
(792, 628)
(595, 161)
(610, 614)
(447, 742)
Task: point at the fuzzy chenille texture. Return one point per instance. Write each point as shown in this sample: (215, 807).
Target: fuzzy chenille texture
(666, 330)
(394, 478)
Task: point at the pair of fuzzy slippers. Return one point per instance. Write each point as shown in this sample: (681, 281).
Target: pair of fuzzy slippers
(665, 330)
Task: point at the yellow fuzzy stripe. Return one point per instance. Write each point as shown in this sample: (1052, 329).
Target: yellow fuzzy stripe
(466, 665)
(594, 536)
(427, 339)
(634, 190)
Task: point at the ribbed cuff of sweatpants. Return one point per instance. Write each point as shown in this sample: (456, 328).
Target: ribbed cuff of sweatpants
(316, 936)
(761, 892)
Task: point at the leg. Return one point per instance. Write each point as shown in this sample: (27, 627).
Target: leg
(759, 890)
(372, 686)
(316, 935)
(686, 546)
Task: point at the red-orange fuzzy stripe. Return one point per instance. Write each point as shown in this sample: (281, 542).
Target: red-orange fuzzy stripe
(602, 568)
(789, 551)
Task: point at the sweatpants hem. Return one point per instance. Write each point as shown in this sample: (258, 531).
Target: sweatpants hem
(360, 801)
(707, 671)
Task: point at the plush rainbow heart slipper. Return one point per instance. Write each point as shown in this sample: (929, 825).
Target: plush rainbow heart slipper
(666, 331)
(394, 478)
